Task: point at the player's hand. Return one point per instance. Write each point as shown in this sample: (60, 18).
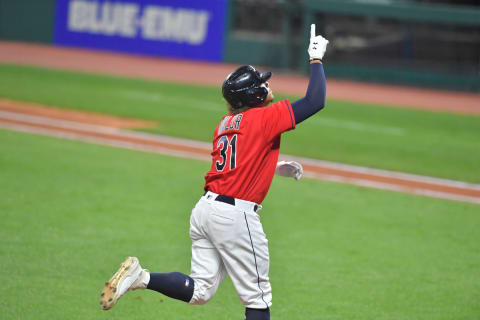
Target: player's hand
(318, 45)
(289, 169)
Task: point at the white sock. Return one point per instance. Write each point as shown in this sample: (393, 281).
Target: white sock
(145, 277)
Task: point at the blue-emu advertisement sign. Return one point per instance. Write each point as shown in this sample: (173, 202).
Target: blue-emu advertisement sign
(190, 29)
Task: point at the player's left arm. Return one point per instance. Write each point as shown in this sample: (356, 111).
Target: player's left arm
(314, 99)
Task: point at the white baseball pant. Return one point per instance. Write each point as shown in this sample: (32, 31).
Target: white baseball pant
(228, 239)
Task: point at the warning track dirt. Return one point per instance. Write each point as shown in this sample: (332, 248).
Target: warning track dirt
(203, 73)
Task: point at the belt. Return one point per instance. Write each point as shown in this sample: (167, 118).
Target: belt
(230, 200)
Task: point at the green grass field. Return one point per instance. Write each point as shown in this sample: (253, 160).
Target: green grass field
(72, 211)
(422, 142)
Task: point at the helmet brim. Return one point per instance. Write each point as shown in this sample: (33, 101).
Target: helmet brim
(264, 76)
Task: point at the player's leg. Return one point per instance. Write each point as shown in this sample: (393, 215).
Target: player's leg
(207, 268)
(131, 276)
(207, 273)
(243, 246)
(252, 281)
(257, 314)
(175, 285)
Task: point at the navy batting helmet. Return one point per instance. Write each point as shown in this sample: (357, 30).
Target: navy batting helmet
(243, 87)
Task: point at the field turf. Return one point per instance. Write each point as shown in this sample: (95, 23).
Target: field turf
(72, 211)
(430, 143)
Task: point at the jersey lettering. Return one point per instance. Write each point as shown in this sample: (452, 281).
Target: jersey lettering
(226, 124)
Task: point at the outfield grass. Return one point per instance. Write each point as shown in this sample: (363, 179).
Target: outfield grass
(423, 142)
(71, 212)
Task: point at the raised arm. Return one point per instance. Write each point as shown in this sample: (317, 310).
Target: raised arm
(314, 99)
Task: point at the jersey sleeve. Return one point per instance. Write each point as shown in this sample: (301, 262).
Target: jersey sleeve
(278, 118)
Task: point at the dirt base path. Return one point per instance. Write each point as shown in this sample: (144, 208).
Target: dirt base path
(33, 118)
(183, 71)
(35, 109)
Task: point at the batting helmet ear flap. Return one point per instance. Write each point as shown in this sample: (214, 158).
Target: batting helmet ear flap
(257, 95)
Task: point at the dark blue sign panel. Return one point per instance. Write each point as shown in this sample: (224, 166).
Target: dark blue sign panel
(191, 29)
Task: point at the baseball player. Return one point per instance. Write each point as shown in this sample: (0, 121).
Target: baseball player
(225, 228)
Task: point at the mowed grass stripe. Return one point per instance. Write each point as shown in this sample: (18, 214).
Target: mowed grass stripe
(71, 212)
(442, 145)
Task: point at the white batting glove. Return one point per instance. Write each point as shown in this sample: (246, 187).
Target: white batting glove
(290, 169)
(318, 45)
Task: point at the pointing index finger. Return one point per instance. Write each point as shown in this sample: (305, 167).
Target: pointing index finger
(312, 30)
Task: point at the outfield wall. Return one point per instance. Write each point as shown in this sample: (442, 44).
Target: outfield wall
(401, 42)
(27, 20)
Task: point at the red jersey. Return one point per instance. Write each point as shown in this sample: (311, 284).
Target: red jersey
(245, 151)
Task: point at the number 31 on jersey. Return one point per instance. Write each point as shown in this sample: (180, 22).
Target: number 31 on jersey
(228, 146)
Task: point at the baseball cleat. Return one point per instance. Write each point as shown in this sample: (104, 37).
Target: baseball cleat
(128, 277)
